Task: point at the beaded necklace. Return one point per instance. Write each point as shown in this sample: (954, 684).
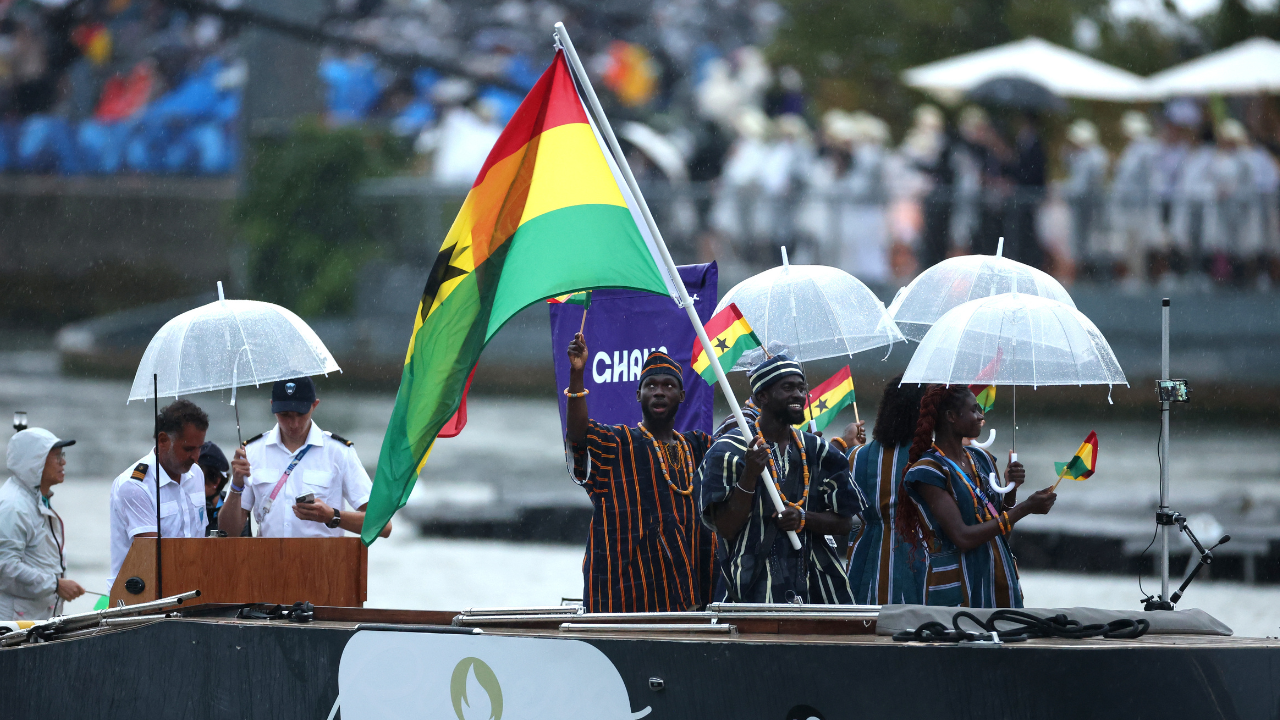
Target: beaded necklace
(980, 501)
(773, 468)
(686, 459)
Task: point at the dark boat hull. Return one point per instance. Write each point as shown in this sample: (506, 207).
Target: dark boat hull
(229, 669)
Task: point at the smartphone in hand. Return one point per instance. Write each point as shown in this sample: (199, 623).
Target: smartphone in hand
(307, 499)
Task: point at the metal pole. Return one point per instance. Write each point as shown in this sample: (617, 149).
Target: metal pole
(155, 396)
(1164, 451)
(562, 36)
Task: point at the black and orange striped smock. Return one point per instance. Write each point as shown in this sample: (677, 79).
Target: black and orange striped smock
(647, 550)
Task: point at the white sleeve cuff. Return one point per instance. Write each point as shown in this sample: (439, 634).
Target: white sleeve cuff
(141, 529)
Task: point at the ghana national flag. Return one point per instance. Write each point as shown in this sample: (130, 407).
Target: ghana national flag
(548, 215)
(828, 399)
(1084, 462)
(730, 337)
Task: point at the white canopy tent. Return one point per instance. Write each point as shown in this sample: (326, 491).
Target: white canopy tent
(1065, 72)
(1249, 67)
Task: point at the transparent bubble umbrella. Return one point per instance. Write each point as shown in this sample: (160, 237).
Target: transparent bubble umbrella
(814, 311)
(228, 344)
(958, 280)
(1014, 339)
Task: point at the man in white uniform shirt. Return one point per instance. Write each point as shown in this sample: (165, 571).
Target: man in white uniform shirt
(296, 459)
(180, 435)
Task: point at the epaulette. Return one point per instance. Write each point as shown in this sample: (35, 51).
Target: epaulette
(255, 437)
(339, 438)
(139, 471)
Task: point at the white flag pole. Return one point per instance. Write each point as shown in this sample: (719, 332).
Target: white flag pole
(575, 64)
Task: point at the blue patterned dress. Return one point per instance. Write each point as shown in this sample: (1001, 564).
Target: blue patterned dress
(984, 577)
(883, 569)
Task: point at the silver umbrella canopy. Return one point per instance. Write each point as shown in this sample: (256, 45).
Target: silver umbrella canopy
(958, 280)
(1014, 339)
(814, 311)
(228, 344)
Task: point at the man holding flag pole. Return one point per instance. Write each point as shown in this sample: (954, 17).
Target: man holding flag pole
(554, 210)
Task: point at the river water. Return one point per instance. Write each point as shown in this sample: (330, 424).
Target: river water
(512, 446)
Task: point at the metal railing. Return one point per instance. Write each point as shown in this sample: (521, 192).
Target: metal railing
(859, 232)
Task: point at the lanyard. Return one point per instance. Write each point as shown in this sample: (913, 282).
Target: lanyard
(975, 491)
(266, 506)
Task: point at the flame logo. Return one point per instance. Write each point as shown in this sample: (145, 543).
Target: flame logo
(472, 677)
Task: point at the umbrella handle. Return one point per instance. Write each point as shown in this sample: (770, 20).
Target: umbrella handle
(995, 480)
(986, 443)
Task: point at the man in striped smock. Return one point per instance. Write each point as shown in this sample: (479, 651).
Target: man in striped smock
(883, 570)
(647, 551)
(758, 562)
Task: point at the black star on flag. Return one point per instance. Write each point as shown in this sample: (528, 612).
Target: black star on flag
(721, 345)
(822, 406)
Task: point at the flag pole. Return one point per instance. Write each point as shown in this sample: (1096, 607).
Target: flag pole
(1060, 476)
(562, 36)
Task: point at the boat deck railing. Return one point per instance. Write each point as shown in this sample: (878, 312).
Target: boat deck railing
(729, 618)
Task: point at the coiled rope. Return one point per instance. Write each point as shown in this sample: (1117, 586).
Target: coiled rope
(1027, 626)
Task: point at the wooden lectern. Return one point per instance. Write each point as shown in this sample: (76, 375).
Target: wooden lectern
(322, 571)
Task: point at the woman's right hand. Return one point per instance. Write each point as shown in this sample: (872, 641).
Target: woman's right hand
(1040, 503)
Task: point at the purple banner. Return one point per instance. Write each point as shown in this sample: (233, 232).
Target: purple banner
(623, 326)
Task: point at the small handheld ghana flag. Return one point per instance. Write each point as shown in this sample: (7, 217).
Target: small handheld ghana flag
(1082, 465)
(730, 337)
(579, 298)
(828, 399)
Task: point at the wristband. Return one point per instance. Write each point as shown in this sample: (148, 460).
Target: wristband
(237, 490)
(576, 395)
(840, 443)
(749, 492)
(1006, 524)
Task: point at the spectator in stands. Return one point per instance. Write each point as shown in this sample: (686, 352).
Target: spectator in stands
(1086, 163)
(1134, 214)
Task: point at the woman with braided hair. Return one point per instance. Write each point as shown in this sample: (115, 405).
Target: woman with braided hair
(954, 514)
(882, 568)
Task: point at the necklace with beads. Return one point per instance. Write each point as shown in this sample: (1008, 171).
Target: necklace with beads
(686, 459)
(773, 468)
(983, 507)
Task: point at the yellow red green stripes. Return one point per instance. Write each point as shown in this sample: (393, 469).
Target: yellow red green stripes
(546, 216)
(730, 336)
(829, 398)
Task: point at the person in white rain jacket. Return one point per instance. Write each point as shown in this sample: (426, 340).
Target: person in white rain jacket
(32, 561)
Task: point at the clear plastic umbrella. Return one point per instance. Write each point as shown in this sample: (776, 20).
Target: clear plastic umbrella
(958, 280)
(814, 311)
(1014, 339)
(227, 344)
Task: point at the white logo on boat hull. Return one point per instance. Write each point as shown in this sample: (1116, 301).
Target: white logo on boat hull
(402, 675)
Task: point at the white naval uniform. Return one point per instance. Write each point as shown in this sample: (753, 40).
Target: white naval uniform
(330, 469)
(133, 508)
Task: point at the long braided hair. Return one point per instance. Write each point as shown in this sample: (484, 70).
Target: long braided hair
(937, 401)
(898, 414)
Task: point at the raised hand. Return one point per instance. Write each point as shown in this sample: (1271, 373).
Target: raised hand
(577, 353)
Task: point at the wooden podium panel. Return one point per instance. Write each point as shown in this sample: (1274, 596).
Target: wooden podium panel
(322, 571)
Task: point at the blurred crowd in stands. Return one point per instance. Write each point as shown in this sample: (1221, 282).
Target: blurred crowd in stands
(733, 153)
(111, 86)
